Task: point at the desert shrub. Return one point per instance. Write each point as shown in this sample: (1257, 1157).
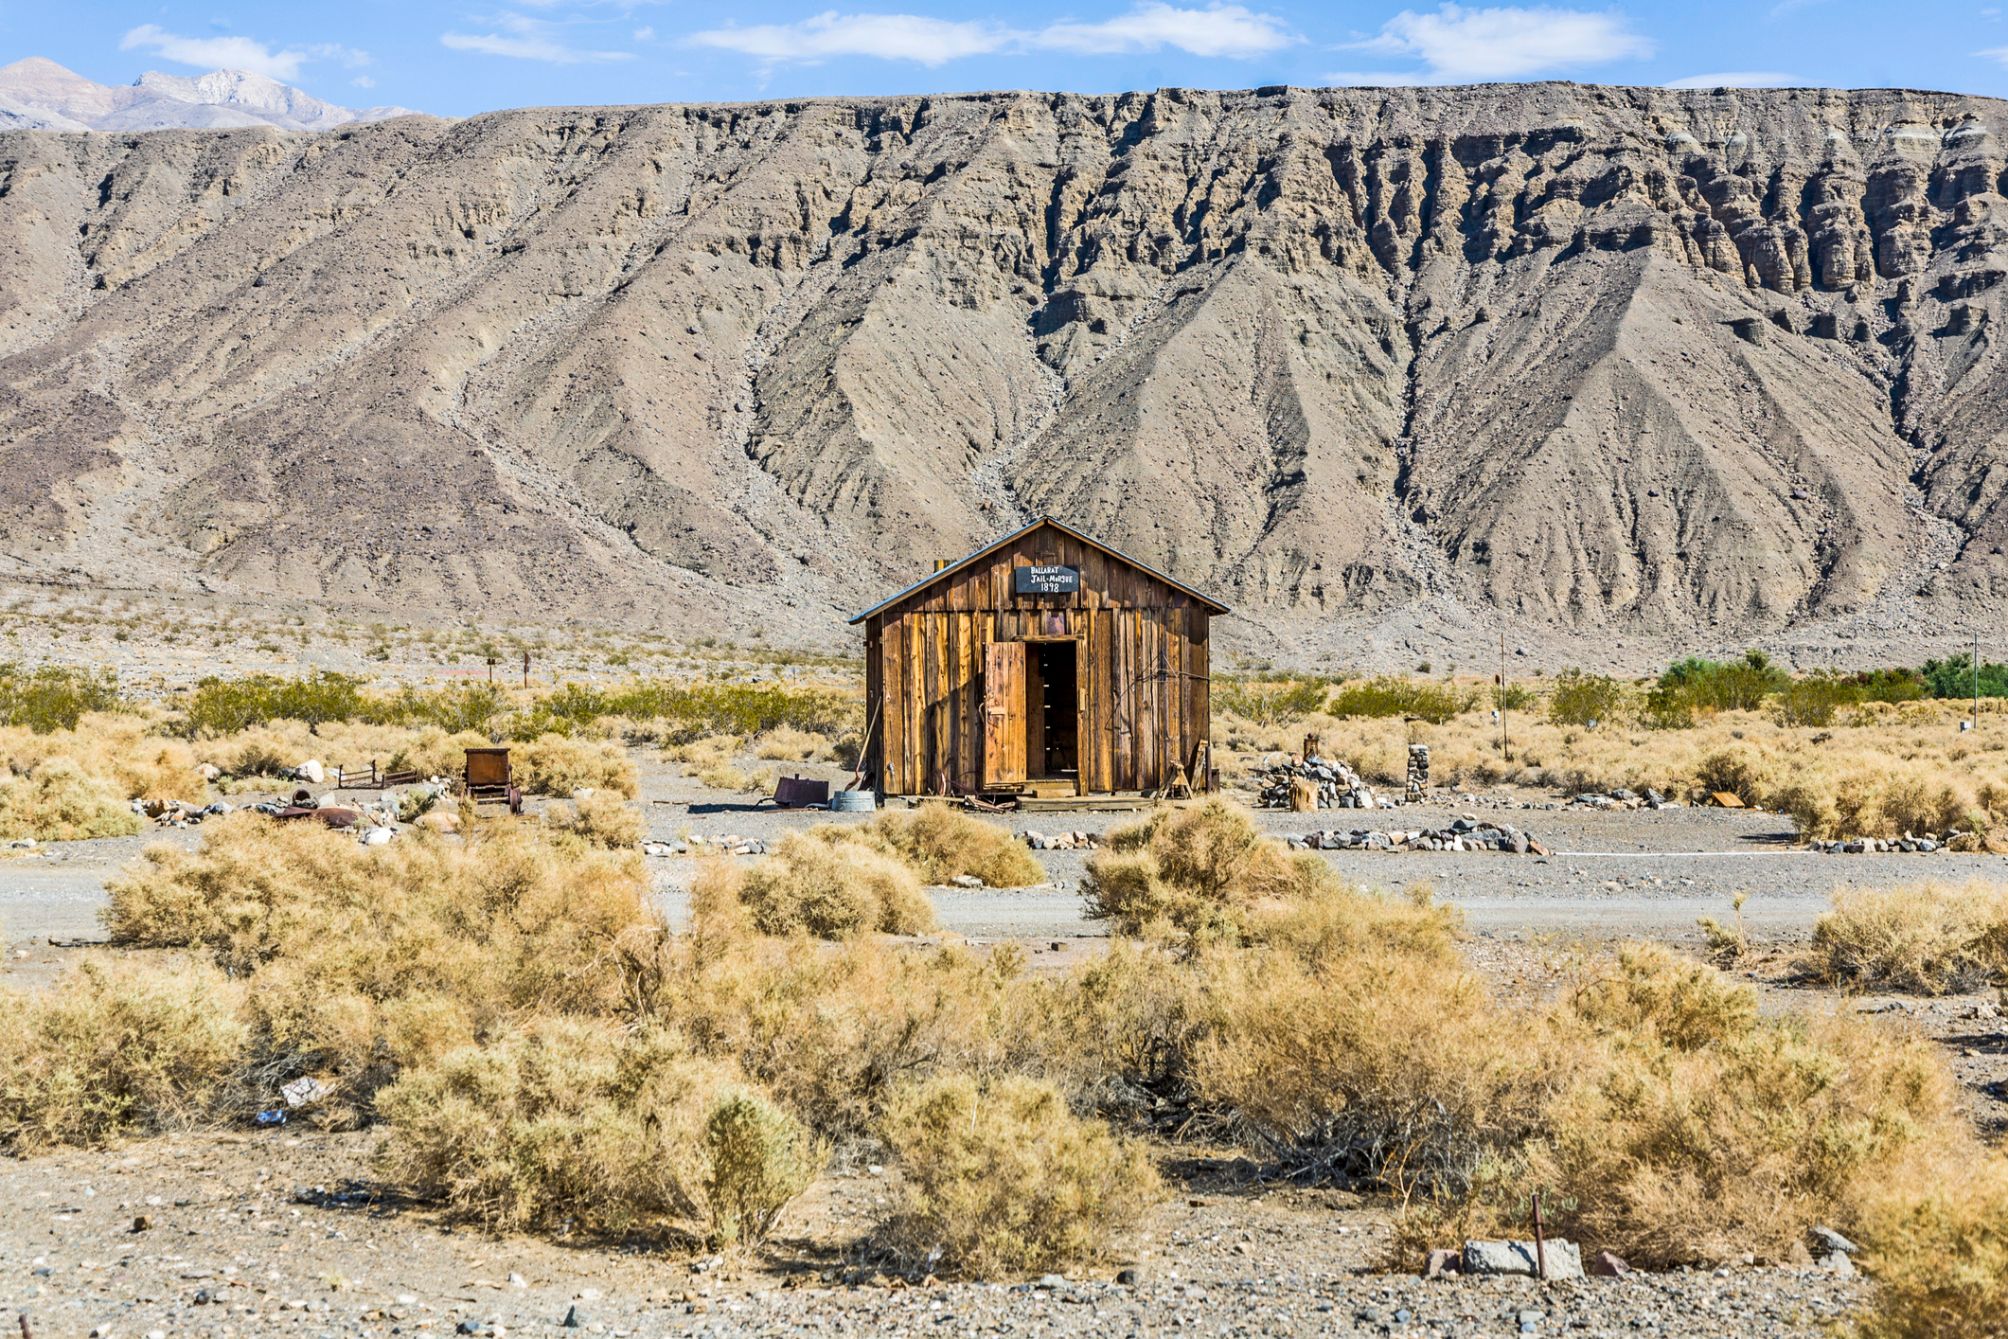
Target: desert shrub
(552, 764)
(1733, 771)
(1953, 677)
(1196, 870)
(1511, 696)
(55, 697)
(61, 801)
(760, 1159)
(1939, 1253)
(1928, 938)
(941, 842)
(999, 1178)
(1392, 696)
(831, 1031)
(1378, 1066)
(602, 819)
(1270, 702)
(1696, 685)
(360, 960)
(1694, 1130)
(1815, 699)
(454, 708)
(714, 761)
(1582, 699)
(1894, 800)
(785, 743)
(690, 711)
(219, 706)
(584, 1125)
(833, 890)
(116, 1048)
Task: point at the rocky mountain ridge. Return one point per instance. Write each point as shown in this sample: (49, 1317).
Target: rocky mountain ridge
(1616, 371)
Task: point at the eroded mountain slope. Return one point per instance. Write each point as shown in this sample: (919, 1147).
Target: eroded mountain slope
(1618, 368)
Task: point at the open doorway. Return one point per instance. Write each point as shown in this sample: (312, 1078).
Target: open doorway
(1052, 709)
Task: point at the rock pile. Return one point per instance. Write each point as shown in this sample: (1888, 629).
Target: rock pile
(1879, 846)
(1061, 841)
(1337, 785)
(699, 844)
(1465, 834)
(1620, 799)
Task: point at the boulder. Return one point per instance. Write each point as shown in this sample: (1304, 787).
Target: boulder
(1565, 1259)
(311, 772)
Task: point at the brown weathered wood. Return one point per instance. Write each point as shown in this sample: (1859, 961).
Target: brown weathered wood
(1004, 681)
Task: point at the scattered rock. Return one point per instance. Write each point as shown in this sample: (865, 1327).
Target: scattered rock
(1826, 1241)
(311, 772)
(966, 881)
(1608, 1265)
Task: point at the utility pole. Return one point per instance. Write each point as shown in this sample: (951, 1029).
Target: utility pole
(1502, 692)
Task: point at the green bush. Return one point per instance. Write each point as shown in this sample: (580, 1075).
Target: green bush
(218, 706)
(691, 711)
(1815, 699)
(1389, 695)
(1953, 677)
(455, 708)
(1271, 702)
(53, 697)
(1581, 699)
(1696, 685)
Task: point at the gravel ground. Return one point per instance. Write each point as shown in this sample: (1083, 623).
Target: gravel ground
(243, 1238)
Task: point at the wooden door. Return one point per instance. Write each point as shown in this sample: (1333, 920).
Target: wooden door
(1004, 750)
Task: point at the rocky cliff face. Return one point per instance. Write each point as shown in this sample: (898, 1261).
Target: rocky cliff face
(1623, 369)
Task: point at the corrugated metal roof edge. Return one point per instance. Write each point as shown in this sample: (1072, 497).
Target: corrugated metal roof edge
(996, 544)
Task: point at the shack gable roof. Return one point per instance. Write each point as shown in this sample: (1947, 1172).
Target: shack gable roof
(1044, 522)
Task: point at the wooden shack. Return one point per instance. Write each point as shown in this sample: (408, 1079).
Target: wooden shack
(1044, 663)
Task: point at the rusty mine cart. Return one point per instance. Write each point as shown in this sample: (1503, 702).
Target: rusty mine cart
(487, 779)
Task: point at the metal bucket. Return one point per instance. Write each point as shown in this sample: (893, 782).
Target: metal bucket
(853, 802)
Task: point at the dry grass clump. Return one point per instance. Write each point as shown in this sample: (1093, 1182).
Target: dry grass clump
(1196, 870)
(582, 1125)
(59, 801)
(602, 819)
(833, 890)
(70, 784)
(554, 764)
(998, 1178)
(1930, 938)
(940, 843)
(1939, 1253)
(117, 1048)
(361, 960)
(785, 743)
(713, 761)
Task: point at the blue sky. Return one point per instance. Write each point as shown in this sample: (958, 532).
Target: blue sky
(456, 57)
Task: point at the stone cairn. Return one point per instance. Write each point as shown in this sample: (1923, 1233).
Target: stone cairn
(1319, 783)
(1464, 834)
(1418, 770)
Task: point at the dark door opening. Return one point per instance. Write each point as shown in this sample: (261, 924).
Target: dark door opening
(1052, 702)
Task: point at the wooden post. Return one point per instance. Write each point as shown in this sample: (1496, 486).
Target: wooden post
(526, 667)
(1540, 1242)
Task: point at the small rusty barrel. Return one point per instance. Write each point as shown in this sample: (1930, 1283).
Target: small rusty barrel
(853, 802)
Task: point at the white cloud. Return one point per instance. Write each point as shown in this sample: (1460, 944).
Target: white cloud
(233, 52)
(1459, 45)
(885, 36)
(645, 33)
(363, 81)
(1994, 53)
(1218, 30)
(1737, 79)
(521, 37)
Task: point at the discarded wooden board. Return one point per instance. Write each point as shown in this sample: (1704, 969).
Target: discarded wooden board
(1726, 799)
